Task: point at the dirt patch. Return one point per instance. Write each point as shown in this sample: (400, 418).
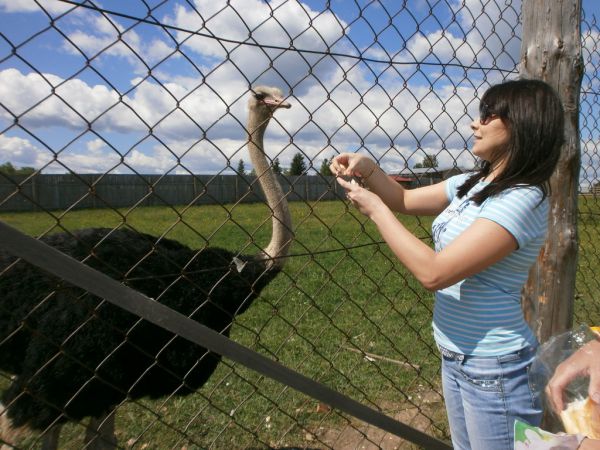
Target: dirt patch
(360, 436)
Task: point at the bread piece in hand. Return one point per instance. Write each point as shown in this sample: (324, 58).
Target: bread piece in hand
(582, 416)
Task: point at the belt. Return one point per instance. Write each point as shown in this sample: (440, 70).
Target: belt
(450, 354)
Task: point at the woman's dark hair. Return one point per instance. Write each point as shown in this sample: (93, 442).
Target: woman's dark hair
(533, 113)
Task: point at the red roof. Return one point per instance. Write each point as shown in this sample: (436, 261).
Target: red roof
(400, 178)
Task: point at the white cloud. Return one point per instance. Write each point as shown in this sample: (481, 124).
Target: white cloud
(96, 157)
(45, 100)
(336, 114)
(29, 6)
(98, 37)
(156, 161)
(346, 110)
(445, 48)
(278, 23)
(491, 37)
(494, 30)
(345, 119)
(96, 145)
(22, 153)
(591, 58)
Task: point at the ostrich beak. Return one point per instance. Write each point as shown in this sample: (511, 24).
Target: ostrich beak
(277, 103)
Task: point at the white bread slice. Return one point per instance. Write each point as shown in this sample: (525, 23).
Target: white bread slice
(582, 416)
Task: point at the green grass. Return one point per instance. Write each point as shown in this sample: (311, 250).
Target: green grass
(341, 290)
(587, 298)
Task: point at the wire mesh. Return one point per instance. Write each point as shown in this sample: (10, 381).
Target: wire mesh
(587, 307)
(132, 116)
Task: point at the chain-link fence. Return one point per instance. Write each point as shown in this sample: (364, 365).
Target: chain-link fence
(587, 303)
(104, 96)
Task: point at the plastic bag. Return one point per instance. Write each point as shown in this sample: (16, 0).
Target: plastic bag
(548, 357)
(552, 353)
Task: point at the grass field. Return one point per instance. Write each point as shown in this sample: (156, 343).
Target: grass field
(340, 291)
(587, 297)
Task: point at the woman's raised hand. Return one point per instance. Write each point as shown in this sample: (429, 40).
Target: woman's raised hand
(364, 200)
(352, 165)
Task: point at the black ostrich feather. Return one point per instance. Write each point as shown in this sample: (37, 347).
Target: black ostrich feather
(74, 355)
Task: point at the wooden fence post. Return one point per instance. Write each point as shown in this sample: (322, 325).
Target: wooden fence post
(551, 51)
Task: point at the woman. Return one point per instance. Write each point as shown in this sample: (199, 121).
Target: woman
(489, 229)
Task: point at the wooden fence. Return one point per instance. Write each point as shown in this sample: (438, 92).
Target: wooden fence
(72, 191)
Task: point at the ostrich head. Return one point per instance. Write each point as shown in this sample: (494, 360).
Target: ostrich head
(263, 102)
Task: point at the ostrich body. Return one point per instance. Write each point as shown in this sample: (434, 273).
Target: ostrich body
(73, 355)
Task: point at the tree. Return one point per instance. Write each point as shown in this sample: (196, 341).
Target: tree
(298, 166)
(276, 167)
(25, 170)
(325, 170)
(8, 169)
(429, 161)
(241, 169)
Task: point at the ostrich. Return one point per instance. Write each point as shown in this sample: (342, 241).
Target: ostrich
(73, 355)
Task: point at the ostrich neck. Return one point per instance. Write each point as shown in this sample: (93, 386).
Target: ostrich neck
(281, 237)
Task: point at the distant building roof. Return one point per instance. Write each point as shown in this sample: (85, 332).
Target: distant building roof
(421, 170)
(401, 178)
(431, 171)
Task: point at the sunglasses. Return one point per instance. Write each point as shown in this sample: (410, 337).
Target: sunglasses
(486, 115)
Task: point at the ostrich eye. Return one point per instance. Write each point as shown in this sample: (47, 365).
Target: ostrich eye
(259, 96)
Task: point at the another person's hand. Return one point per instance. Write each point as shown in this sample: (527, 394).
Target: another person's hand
(364, 200)
(589, 444)
(352, 165)
(584, 362)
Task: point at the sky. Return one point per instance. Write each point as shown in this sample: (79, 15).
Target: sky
(161, 86)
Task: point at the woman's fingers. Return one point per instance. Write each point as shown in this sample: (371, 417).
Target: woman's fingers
(346, 164)
(340, 165)
(565, 372)
(347, 184)
(584, 362)
(554, 392)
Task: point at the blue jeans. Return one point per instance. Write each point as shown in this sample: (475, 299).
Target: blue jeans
(484, 396)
